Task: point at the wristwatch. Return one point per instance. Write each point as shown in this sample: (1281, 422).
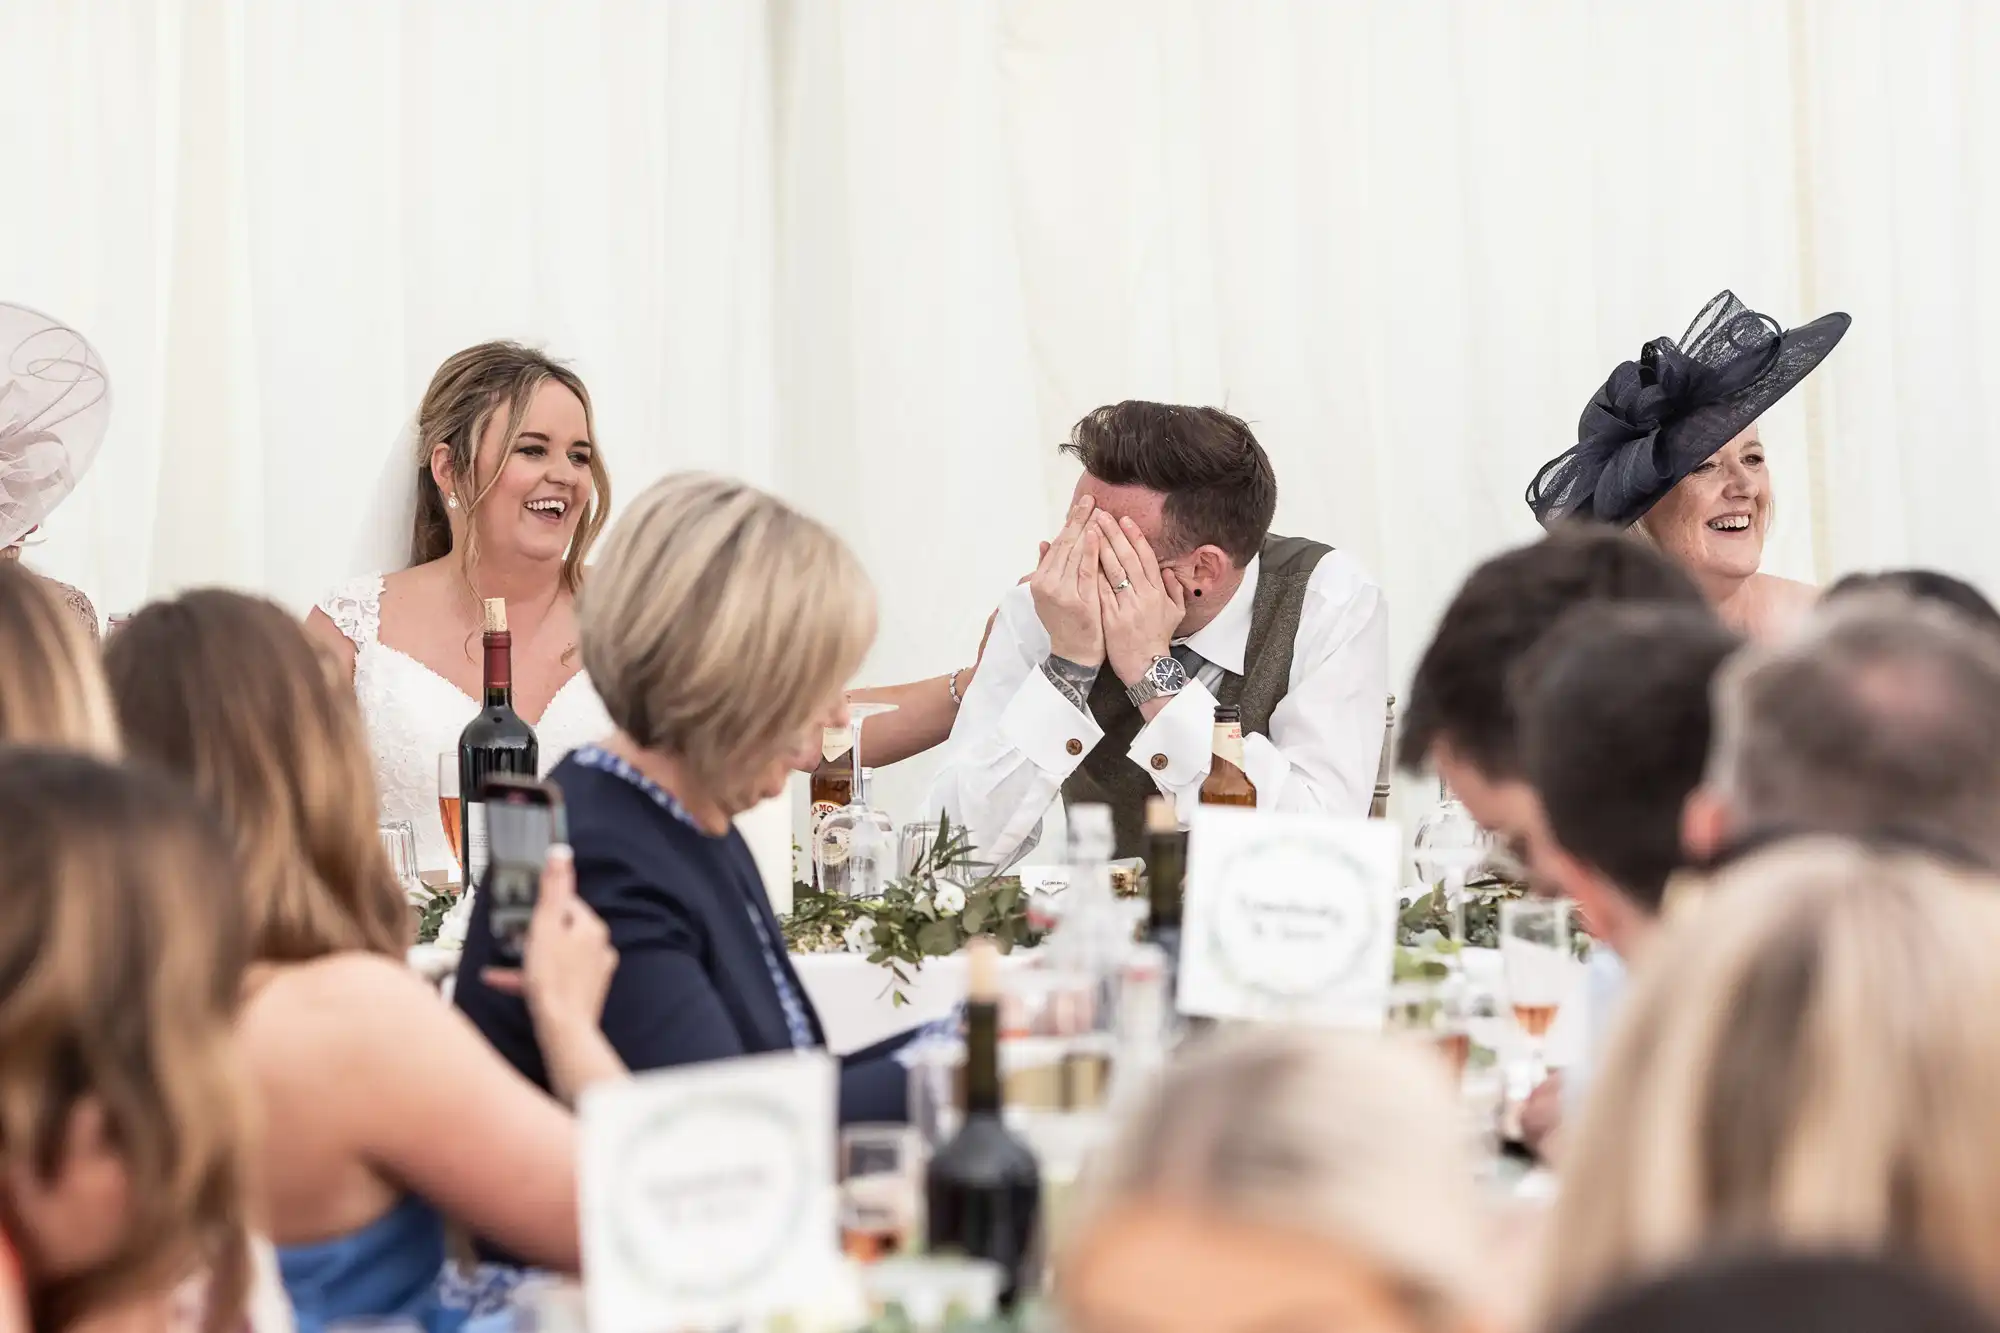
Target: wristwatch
(1164, 677)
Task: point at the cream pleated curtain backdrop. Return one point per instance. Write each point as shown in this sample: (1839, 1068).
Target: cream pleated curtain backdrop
(878, 254)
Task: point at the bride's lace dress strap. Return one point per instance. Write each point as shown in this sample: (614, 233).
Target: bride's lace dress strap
(355, 609)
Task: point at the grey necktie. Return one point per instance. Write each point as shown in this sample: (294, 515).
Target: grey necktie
(1191, 661)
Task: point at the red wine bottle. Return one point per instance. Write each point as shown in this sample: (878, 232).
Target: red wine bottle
(983, 1187)
(496, 741)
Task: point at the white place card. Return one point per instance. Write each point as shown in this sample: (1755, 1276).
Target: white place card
(707, 1193)
(1289, 918)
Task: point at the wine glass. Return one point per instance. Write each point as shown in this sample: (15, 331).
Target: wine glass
(448, 807)
(854, 847)
(1535, 955)
(1449, 846)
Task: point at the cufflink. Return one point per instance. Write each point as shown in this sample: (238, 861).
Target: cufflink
(1074, 746)
(1159, 763)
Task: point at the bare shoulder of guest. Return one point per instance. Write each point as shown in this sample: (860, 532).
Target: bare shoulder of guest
(1783, 604)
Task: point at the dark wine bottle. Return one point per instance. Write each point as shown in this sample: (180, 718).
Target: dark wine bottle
(496, 741)
(1166, 867)
(983, 1187)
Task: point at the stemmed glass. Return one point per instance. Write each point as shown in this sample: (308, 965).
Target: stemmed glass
(1450, 845)
(1535, 955)
(448, 806)
(854, 848)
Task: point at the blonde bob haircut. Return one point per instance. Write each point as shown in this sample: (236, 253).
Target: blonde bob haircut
(122, 955)
(51, 679)
(1355, 1139)
(718, 624)
(1807, 1061)
(228, 692)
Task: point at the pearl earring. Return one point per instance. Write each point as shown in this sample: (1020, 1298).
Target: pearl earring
(451, 502)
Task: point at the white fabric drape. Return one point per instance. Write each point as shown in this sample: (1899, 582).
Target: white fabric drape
(878, 254)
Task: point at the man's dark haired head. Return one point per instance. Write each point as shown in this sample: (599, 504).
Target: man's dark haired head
(1925, 585)
(1460, 691)
(1218, 483)
(1614, 716)
(1798, 1293)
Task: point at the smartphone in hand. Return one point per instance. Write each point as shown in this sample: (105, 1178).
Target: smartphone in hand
(523, 817)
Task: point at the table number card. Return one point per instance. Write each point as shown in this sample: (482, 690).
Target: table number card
(1289, 917)
(707, 1193)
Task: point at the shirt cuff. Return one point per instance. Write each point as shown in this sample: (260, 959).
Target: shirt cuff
(1174, 747)
(1044, 725)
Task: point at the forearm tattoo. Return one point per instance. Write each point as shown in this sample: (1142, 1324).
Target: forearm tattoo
(1073, 678)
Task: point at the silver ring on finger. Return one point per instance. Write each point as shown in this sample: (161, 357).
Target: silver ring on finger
(1123, 585)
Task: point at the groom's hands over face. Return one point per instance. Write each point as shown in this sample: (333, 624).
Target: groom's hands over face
(1140, 618)
(1065, 588)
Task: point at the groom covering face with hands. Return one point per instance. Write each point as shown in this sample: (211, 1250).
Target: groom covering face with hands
(1163, 594)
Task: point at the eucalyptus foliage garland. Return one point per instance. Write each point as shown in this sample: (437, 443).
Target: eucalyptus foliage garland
(928, 913)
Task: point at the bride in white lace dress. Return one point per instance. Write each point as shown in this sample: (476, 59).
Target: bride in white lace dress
(510, 495)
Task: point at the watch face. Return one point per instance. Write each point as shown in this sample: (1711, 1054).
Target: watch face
(1168, 675)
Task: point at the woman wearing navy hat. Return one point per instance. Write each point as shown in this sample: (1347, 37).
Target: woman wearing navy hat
(1669, 446)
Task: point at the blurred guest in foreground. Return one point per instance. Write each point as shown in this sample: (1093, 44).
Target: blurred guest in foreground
(1613, 709)
(511, 492)
(55, 403)
(1460, 720)
(51, 682)
(1806, 1060)
(356, 1061)
(1923, 585)
(1669, 446)
(1281, 1178)
(122, 948)
(1798, 1293)
(721, 627)
(1164, 594)
(1880, 720)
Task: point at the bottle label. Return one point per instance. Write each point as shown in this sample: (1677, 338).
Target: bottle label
(475, 843)
(833, 743)
(1229, 742)
(820, 810)
(833, 844)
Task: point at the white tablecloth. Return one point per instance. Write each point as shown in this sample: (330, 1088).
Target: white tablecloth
(853, 999)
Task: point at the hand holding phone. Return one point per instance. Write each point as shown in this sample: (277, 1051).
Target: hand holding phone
(568, 959)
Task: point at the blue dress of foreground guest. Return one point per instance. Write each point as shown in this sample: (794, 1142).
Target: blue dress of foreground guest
(702, 968)
(394, 1269)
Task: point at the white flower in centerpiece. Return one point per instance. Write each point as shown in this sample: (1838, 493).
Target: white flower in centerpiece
(860, 935)
(920, 902)
(950, 899)
(451, 928)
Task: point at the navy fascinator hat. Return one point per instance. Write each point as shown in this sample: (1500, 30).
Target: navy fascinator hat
(1660, 417)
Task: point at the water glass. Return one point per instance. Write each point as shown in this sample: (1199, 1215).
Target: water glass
(1449, 846)
(881, 1191)
(919, 843)
(399, 841)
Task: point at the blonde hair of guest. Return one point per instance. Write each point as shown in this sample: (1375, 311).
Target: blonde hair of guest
(717, 623)
(52, 688)
(1356, 1139)
(1807, 1060)
(122, 951)
(228, 690)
